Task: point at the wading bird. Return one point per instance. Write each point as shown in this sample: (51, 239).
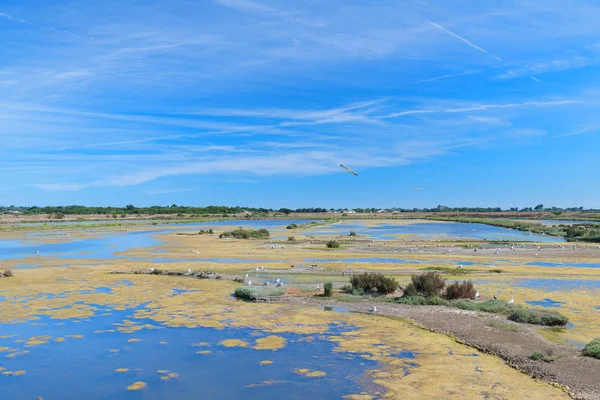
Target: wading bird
(477, 295)
(373, 310)
(495, 297)
(511, 301)
(348, 169)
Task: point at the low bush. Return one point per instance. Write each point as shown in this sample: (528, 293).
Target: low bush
(537, 356)
(292, 226)
(205, 232)
(242, 233)
(333, 244)
(491, 306)
(429, 284)
(352, 233)
(346, 288)
(460, 290)
(451, 271)
(422, 301)
(291, 239)
(7, 273)
(593, 349)
(496, 271)
(328, 289)
(367, 282)
(538, 317)
(256, 292)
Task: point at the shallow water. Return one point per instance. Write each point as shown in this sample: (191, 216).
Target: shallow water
(85, 364)
(555, 285)
(108, 244)
(428, 230)
(546, 303)
(566, 264)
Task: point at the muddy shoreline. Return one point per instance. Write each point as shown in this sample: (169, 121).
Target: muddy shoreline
(492, 334)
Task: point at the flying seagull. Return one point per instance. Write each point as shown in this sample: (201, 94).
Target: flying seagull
(348, 169)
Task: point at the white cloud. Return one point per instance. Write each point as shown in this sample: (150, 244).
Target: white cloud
(548, 66)
(462, 39)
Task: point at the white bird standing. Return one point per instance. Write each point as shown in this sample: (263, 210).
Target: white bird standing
(477, 295)
(373, 310)
(349, 170)
(249, 283)
(246, 275)
(511, 301)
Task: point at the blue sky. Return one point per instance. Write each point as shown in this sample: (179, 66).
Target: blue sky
(243, 102)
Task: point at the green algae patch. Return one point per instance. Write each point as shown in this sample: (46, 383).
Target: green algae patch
(59, 339)
(204, 352)
(266, 362)
(163, 343)
(114, 350)
(266, 383)
(270, 343)
(134, 340)
(137, 386)
(167, 375)
(309, 373)
(38, 340)
(233, 343)
(122, 370)
(75, 336)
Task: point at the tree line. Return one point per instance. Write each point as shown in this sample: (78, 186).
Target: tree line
(130, 209)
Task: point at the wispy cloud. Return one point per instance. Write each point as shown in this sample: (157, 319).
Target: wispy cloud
(469, 43)
(580, 131)
(437, 78)
(548, 66)
(484, 107)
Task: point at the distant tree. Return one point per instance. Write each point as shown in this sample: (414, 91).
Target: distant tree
(286, 211)
(130, 207)
(539, 207)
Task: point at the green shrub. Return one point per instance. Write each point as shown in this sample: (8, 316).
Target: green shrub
(328, 288)
(537, 356)
(346, 288)
(491, 306)
(352, 233)
(422, 301)
(593, 349)
(460, 290)
(428, 284)
(256, 292)
(291, 239)
(451, 271)
(205, 232)
(292, 226)
(410, 291)
(538, 317)
(368, 281)
(496, 271)
(333, 244)
(8, 273)
(242, 233)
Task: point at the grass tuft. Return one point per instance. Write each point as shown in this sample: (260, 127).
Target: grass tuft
(538, 317)
(242, 233)
(257, 292)
(593, 349)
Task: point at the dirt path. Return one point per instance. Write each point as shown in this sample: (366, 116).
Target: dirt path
(492, 334)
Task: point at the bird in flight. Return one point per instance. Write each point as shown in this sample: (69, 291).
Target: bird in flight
(348, 169)
(417, 189)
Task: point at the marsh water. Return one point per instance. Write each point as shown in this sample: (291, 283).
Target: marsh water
(93, 335)
(92, 359)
